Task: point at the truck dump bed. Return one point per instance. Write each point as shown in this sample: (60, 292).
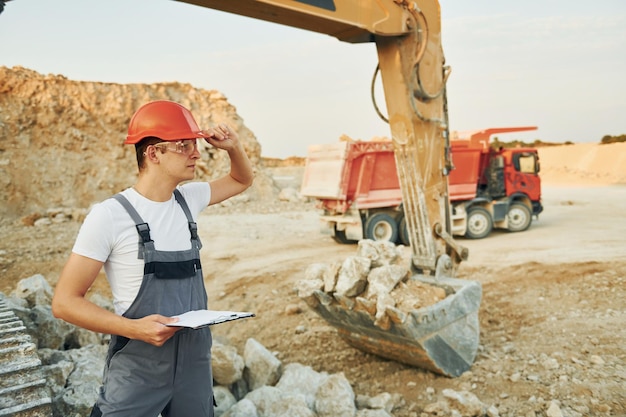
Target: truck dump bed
(355, 174)
(363, 174)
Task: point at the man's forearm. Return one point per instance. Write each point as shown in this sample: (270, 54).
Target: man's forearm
(151, 329)
(83, 313)
(240, 166)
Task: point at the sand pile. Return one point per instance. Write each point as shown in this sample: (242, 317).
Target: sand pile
(583, 164)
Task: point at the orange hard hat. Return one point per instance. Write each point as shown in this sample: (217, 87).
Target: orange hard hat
(165, 120)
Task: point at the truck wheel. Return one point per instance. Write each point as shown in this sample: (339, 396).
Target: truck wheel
(381, 226)
(404, 232)
(519, 217)
(479, 223)
(340, 237)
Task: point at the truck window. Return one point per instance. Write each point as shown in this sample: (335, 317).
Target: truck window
(526, 163)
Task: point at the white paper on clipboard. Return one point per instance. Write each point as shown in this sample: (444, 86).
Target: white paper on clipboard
(200, 318)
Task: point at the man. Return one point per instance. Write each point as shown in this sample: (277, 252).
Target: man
(146, 239)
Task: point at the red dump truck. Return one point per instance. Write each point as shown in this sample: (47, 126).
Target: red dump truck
(356, 185)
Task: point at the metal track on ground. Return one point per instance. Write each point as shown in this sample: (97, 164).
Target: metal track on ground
(23, 389)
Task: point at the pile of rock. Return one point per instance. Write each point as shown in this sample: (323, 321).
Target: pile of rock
(70, 360)
(375, 280)
(253, 384)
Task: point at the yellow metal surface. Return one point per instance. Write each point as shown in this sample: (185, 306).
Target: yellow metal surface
(349, 21)
(412, 70)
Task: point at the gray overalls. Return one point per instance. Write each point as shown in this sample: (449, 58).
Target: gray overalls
(142, 380)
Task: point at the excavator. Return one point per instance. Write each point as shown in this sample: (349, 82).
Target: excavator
(443, 337)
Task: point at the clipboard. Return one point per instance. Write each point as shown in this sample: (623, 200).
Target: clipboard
(196, 319)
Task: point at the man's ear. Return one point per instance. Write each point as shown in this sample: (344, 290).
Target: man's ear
(151, 154)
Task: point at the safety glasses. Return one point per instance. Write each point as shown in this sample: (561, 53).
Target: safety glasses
(185, 147)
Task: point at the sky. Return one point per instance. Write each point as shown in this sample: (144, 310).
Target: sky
(559, 65)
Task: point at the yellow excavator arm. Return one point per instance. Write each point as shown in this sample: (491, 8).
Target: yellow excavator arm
(442, 337)
(411, 63)
(348, 21)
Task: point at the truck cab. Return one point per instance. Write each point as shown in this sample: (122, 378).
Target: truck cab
(493, 188)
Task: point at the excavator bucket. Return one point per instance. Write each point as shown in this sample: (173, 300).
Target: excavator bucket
(441, 337)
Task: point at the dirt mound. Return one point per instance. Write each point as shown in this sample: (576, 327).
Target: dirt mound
(292, 161)
(62, 139)
(583, 164)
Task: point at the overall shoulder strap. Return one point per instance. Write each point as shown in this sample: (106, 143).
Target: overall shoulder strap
(193, 227)
(142, 227)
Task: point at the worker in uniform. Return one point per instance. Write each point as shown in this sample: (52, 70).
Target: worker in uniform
(146, 240)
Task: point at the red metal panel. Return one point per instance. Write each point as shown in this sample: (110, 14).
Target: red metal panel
(464, 177)
(371, 174)
(364, 175)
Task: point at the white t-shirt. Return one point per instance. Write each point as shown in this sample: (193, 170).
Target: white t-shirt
(108, 235)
